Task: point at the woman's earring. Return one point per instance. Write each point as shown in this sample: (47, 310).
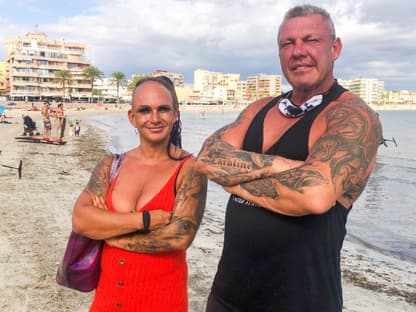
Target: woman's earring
(136, 131)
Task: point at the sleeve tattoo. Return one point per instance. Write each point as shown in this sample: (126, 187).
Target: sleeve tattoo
(188, 211)
(229, 165)
(99, 180)
(347, 149)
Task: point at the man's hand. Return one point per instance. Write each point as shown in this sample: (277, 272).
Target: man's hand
(158, 219)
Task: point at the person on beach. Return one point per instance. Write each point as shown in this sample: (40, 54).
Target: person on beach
(60, 121)
(3, 119)
(77, 128)
(294, 166)
(47, 126)
(71, 129)
(149, 214)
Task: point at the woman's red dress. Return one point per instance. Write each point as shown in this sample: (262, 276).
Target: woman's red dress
(133, 281)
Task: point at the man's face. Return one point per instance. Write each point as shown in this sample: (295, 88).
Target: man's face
(307, 52)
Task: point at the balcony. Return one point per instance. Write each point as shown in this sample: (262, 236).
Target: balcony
(20, 57)
(23, 93)
(23, 65)
(80, 85)
(53, 67)
(24, 83)
(23, 74)
(49, 85)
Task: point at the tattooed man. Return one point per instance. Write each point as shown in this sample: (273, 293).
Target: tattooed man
(149, 213)
(294, 165)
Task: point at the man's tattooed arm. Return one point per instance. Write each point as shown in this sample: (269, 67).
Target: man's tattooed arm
(337, 168)
(227, 165)
(180, 232)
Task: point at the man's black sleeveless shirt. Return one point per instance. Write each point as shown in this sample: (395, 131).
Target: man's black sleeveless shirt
(273, 262)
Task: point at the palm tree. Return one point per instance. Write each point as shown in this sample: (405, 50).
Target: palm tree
(64, 77)
(92, 73)
(133, 81)
(119, 79)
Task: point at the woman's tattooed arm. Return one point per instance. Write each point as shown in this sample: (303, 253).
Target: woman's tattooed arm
(180, 232)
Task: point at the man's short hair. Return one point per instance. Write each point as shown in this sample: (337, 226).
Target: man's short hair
(308, 9)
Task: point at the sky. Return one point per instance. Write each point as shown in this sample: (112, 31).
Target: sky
(138, 37)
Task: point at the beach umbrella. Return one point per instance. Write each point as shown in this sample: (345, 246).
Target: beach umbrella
(19, 168)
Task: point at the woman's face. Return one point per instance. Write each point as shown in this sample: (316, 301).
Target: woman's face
(153, 113)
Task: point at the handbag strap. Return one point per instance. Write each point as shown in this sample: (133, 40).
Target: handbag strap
(116, 164)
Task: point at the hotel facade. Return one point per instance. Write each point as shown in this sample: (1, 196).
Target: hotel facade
(32, 64)
(229, 88)
(369, 89)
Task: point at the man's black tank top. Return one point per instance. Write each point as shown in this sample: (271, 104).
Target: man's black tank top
(273, 262)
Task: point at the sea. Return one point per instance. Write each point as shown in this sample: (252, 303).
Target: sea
(383, 218)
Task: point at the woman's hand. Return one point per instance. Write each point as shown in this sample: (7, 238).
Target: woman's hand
(98, 201)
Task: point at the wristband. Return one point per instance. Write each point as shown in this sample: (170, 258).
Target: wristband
(146, 221)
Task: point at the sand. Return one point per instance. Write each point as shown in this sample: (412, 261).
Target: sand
(35, 221)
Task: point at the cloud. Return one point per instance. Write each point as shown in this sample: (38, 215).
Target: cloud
(204, 34)
(226, 36)
(375, 47)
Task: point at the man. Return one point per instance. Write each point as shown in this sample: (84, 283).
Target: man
(294, 165)
(46, 120)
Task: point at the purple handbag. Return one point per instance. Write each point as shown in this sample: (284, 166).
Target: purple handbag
(81, 266)
(80, 269)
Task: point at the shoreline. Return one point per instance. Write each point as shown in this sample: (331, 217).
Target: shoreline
(36, 221)
(183, 107)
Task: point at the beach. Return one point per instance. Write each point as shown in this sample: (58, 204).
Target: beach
(35, 222)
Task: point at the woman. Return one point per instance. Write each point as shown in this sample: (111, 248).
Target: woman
(59, 117)
(149, 214)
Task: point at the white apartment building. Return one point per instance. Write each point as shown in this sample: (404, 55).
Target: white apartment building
(205, 81)
(228, 87)
(369, 89)
(399, 97)
(177, 79)
(262, 85)
(3, 78)
(241, 92)
(229, 84)
(215, 86)
(108, 90)
(33, 62)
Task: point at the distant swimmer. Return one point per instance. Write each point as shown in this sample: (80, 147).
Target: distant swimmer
(202, 114)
